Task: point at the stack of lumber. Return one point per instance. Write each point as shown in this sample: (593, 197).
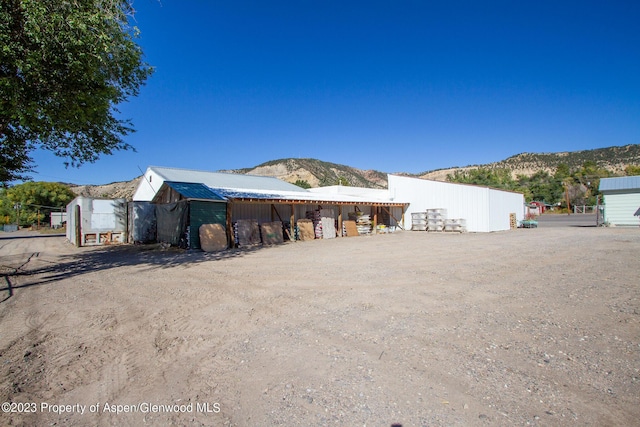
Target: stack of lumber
(512, 221)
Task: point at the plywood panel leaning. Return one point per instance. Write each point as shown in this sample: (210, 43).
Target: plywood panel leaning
(213, 237)
(306, 230)
(272, 233)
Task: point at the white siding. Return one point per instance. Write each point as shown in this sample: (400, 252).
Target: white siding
(484, 209)
(619, 209)
(148, 186)
(97, 216)
(503, 204)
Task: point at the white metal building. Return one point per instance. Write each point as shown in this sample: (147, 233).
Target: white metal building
(484, 209)
(265, 198)
(621, 200)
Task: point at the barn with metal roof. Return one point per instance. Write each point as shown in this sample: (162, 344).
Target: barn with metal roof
(186, 199)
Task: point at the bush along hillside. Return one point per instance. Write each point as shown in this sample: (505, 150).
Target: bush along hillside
(578, 185)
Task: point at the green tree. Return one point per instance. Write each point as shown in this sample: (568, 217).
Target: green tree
(542, 187)
(37, 200)
(496, 178)
(632, 170)
(64, 66)
(302, 183)
(586, 181)
(562, 171)
(7, 213)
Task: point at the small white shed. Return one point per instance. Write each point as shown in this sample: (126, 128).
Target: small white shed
(92, 222)
(621, 200)
(57, 219)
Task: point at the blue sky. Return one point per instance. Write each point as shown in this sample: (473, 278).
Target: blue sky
(403, 86)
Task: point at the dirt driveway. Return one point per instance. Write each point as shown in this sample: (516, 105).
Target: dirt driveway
(526, 327)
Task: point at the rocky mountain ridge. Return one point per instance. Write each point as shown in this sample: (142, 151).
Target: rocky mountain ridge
(317, 173)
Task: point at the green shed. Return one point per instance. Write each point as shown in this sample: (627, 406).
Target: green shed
(182, 207)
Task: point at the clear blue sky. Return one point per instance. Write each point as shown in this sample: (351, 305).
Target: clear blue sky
(396, 86)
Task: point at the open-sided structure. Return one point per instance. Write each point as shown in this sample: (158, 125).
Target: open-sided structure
(186, 199)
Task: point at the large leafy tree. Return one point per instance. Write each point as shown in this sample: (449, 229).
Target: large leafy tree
(64, 66)
(497, 178)
(36, 200)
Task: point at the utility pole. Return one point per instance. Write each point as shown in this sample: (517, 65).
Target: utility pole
(17, 208)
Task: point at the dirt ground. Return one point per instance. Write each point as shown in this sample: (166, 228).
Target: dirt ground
(525, 327)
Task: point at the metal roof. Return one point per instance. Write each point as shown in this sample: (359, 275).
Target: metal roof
(224, 180)
(622, 183)
(190, 190)
(247, 195)
(195, 184)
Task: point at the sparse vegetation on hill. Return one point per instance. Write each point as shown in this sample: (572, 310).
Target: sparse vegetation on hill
(577, 186)
(614, 159)
(538, 176)
(317, 173)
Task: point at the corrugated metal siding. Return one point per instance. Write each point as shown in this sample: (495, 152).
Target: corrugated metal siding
(260, 212)
(484, 209)
(619, 209)
(204, 213)
(469, 203)
(621, 183)
(503, 204)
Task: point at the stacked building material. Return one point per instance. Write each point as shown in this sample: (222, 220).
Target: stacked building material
(317, 222)
(435, 219)
(455, 224)
(363, 222)
(247, 232)
(419, 221)
(327, 218)
(512, 221)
